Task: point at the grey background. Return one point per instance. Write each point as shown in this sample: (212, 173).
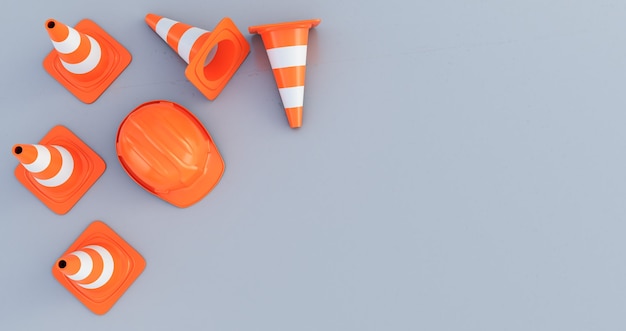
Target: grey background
(461, 167)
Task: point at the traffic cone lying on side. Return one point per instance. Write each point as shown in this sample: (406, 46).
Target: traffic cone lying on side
(58, 170)
(98, 267)
(286, 46)
(195, 46)
(85, 60)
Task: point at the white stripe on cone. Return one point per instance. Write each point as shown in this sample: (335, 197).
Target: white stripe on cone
(289, 56)
(163, 27)
(86, 267)
(41, 162)
(88, 63)
(107, 269)
(292, 96)
(70, 44)
(67, 168)
(186, 41)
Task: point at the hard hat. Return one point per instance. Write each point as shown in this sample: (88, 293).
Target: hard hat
(167, 151)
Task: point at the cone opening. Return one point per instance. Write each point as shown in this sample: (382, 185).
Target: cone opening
(62, 264)
(18, 150)
(51, 24)
(223, 59)
(210, 56)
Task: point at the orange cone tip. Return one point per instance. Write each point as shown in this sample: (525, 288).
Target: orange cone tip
(286, 46)
(85, 60)
(98, 267)
(59, 170)
(213, 57)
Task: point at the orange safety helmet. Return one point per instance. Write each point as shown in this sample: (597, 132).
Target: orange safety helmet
(166, 150)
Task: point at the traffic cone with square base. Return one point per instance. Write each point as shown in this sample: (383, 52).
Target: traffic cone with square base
(213, 57)
(85, 60)
(59, 170)
(98, 267)
(286, 46)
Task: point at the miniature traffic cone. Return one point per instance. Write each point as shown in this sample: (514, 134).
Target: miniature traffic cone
(98, 267)
(286, 46)
(58, 170)
(85, 60)
(195, 45)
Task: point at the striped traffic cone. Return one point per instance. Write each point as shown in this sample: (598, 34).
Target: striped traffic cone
(98, 267)
(50, 165)
(85, 60)
(58, 170)
(286, 46)
(212, 57)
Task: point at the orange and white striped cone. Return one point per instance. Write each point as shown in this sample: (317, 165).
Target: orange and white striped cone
(213, 57)
(85, 60)
(286, 46)
(91, 267)
(98, 267)
(59, 170)
(50, 165)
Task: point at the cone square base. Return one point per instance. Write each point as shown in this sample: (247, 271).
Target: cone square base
(88, 92)
(100, 234)
(232, 50)
(94, 167)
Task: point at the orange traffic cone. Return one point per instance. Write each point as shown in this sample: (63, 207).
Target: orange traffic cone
(58, 170)
(286, 46)
(98, 267)
(85, 60)
(195, 46)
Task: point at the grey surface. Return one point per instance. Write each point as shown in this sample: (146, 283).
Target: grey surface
(461, 167)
